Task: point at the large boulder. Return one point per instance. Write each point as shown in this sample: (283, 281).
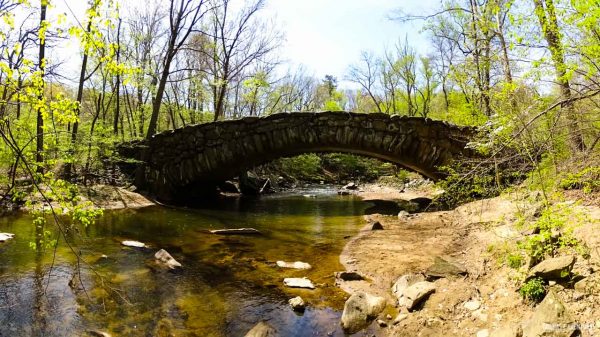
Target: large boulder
(164, 258)
(261, 329)
(551, 319)
(411, 290)
(554, 268)
(360, 309)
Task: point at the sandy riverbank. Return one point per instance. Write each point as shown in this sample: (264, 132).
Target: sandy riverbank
(464, 236)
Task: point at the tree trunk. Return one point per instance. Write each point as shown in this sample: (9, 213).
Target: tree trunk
(549, 24)
(39, 154)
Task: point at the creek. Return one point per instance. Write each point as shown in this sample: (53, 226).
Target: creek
(227, 283)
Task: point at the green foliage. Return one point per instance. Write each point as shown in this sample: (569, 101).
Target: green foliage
(303, 167)
(587, 180)
(533, 289)
(514, 260)
(555, 226)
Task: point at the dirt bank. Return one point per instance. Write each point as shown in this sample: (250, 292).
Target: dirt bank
(469, 237)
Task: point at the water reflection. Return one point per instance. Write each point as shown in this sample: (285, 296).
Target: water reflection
(227, 284)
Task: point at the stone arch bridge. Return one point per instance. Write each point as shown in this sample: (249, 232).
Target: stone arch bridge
(173, 164)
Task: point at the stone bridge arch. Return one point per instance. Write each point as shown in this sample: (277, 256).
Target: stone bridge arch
(176, 161)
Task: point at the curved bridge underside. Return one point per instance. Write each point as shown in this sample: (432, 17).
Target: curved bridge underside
(176, 162)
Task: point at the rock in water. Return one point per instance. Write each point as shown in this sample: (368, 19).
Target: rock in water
(98, 333)
(131, 243)
(442, 268)
(414, 294)
(297, 303)
(348, 276)
(550, 319)
(236, 231)
(360, 309)
(165, 258)
(261, 329)
(375, 226)
(297, 282)
(554, 269)
(293, 265)
(6, 236)
(350, 186)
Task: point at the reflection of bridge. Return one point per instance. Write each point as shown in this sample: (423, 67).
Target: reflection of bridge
(200, 155)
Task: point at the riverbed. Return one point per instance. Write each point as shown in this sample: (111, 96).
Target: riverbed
(227, 283)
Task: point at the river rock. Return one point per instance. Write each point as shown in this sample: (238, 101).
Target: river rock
(589, 285)
(98, 333)
(261, 329)
(297, 303)
(297, 282)
(350, 186)
(343, 192)
(293, 265)
(236, 231)
(554, 268)
(348, 276)
(414, 294)
(404, 282)
(550, 318)
(132, 243)
(400, 318)
(360, 309)
(6, 236)
(442, 268)
(403, 215)
(376, 226)
(165, 258)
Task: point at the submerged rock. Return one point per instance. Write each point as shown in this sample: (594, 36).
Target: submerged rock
(297, 282)
(349, 276)
(165, 258)
(360, 309)
(293, 265)
(297, 303)
(236, 231)
(131, 243)
(442, 268)
(554, 268)
(550, 319)
(261, 329)
(6, 236)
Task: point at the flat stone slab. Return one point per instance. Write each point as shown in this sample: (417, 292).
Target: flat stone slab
(554, 268)
(132, 243)
(293, 265)
(297, 282)
(442, 268)
(6, 236)
(236, 231)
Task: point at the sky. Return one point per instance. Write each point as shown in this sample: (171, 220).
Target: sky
(323, 36)
(327, 36)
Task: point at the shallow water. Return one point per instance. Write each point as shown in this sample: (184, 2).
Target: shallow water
(227, 284)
